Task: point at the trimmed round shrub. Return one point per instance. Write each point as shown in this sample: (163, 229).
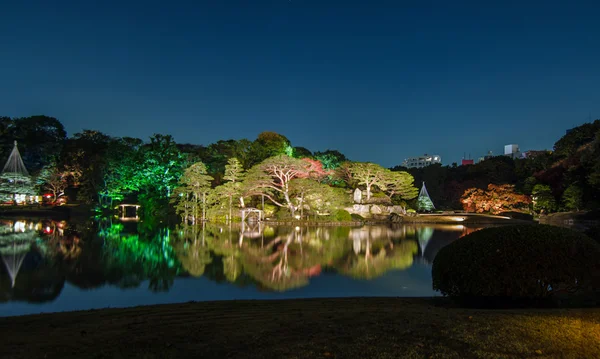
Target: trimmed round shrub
(341, 215)
(518, 262)
(357, 217)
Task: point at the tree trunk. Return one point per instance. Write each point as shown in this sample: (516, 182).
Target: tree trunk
(230, 207)
(368, 192)
(203, 208)
(289, 203)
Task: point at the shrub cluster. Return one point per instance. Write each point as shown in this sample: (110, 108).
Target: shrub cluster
(518, 262)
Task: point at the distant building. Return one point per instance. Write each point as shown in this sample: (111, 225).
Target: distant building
(467, 162)
(421, 161)
(489, 155)
(512, 151)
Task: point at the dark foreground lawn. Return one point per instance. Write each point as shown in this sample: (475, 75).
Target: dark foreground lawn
(315, 328)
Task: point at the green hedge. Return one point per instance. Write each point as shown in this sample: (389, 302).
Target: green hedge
(341, 215)
(518, 262)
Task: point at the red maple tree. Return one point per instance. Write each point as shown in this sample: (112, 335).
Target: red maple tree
(494, 199)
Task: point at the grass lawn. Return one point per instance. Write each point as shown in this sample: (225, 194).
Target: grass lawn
(311, 328)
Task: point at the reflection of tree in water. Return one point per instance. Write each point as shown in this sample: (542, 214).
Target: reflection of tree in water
(377, 257)
(134, 258)
(30, 276)
(192, 251)
(284, 258)
(270, 264)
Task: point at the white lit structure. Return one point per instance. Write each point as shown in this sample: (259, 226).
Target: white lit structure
(512, 151)
(421, 161)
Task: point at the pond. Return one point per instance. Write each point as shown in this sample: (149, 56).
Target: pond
(51, 266)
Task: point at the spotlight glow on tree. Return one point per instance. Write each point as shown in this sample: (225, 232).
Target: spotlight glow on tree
(424, 203)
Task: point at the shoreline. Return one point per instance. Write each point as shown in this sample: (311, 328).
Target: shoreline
(304, 328)
(76, 211)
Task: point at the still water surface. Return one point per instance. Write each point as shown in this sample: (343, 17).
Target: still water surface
(50, 266)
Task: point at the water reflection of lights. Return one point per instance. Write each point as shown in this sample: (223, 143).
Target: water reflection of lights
(19, 226)
(458, 219)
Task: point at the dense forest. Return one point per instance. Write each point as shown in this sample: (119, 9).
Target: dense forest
(211, 180)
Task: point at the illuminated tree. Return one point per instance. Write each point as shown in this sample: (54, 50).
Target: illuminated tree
(162, 166)
(313, 169)
(331, 159)
(272, 177)
(194, 186)
(400, 183)
(496, 199)
(317, 198)
(424, 202)
(53, 180)
(368, 174)
(543, 199)
(269, 144)
(124, 163)
(234, 174)
(573, 198)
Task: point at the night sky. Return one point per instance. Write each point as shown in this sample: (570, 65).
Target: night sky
(377, 80)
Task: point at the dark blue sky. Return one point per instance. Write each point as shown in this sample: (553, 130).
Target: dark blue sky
(377, 80)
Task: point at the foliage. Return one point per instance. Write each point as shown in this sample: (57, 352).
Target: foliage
(489, 263)
(400, 184)
(378, 257)
(53, 180)
(496, 199)
(572, 198)
(85, 154)
(162, 166)
(543, 199)
(268, 144)
(148, 257)
(11, 183)
(341, 215)
(368, 174)
(575, 138)
(195, 184)
(40, 139)
(424, 204)
(331, 159)
(102, 169)
(194, 256)
(272, 177)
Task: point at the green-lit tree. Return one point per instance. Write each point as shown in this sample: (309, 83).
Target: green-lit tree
(234, 174)
(573, 198)
(162, 166)
(123, 165)
(542, 198)
(424, 202)
(195, 184)
(331, 159)
(400, 184)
